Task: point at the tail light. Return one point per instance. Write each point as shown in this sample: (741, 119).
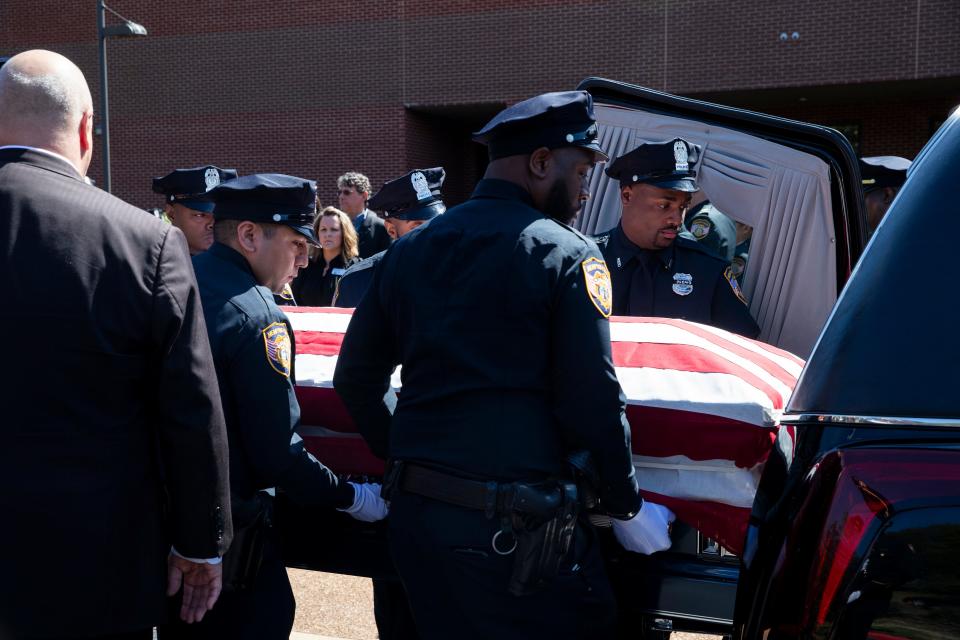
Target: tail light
(872, 484)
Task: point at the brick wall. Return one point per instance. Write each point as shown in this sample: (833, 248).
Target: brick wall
(316, 88)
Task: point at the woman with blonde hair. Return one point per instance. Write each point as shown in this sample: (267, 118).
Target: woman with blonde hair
(317, 282)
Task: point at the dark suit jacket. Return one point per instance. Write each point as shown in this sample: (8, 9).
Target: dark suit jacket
(373, 235)
(112, 440)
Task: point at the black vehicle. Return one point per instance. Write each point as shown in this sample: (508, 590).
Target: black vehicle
(850, 536)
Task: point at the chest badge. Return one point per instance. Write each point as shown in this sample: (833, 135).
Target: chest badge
(277, 343)
(682, 284)
(599, 288)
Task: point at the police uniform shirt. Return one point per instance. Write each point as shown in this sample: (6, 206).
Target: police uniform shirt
(685, 279)
(253, 346)
(506, 361)
(355, 282)
(712, 229)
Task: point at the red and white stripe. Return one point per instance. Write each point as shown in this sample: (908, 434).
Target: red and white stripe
(704, 406)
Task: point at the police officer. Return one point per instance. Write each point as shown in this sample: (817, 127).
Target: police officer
(187, 206)
(263, 226)
(406, 203)
(655, 272)
(497, 312)
(712, 229)
(882, 178)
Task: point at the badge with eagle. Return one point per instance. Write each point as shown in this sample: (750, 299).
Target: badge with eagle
(277, 342)
(599, 288)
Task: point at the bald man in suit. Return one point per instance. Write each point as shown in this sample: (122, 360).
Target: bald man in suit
(113, 465)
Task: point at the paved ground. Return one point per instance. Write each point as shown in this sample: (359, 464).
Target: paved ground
(341, 607)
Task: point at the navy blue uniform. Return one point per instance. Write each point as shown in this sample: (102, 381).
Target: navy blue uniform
(252, 345)
(355, 281)
(683, 281)
(506, 369)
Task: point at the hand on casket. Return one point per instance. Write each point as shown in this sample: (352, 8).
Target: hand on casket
(648, 531)
(367, 505)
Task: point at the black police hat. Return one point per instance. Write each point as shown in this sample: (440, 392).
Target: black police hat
(552, 120)
(413, 196)
(879, 172)
(189, 187)
(268, 197)
(668, 165)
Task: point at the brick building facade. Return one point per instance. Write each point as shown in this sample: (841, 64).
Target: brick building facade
(316, 88)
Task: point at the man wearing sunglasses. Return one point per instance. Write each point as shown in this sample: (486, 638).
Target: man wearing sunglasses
(353, 191)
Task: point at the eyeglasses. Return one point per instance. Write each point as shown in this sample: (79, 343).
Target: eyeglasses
(346, 192)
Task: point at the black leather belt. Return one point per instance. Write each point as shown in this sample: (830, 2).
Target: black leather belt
(472, 494)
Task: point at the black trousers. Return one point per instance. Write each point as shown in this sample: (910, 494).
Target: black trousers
(263, 612)
(457, 585)
(391, 609)
(143, 634)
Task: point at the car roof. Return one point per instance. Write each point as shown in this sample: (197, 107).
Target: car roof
(889, 348)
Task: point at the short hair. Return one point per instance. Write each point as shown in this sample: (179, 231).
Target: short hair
(350, 245)
(224, 231)
(355, 180)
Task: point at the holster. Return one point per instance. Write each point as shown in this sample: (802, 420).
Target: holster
(543, 518)
(252, 520)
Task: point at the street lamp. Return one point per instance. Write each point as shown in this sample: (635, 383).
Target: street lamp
(126, 29)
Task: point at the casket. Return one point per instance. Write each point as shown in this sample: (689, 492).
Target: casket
(704, 407)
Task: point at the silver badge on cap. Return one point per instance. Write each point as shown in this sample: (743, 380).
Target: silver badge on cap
(682, 284)
(419, 182)
(680, 155)
(211, 177)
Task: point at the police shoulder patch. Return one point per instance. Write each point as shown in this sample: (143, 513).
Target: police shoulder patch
(700, 228)
(599, 288)
(731, 279)
(277, 343)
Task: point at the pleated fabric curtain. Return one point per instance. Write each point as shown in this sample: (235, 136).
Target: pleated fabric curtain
(784, 194)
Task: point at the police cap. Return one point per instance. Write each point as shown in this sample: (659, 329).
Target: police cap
(268, 197)
(414, 196)
(551, 120)
(669, 165)
(189, 187)
(883, 171)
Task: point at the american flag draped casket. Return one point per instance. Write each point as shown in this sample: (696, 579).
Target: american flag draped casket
(703, 404)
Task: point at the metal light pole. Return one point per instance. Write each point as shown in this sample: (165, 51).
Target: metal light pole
(127, 29)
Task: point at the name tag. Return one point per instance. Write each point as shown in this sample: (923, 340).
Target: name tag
(338, 272)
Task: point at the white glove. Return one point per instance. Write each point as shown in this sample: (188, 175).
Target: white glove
(648, 531)
(367, 505)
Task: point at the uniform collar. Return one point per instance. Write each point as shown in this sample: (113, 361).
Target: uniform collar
(41, 158)
(622, 250)
(232, 256)
(502, 190)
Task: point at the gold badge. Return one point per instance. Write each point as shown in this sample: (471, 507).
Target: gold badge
(598, 285)
(277, 342)
(286, 293)
(732, 280)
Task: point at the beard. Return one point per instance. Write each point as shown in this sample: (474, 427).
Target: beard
(559, 205)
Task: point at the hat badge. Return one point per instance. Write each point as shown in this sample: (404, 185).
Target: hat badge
(680, 155)
(419, 182)
(211, 177)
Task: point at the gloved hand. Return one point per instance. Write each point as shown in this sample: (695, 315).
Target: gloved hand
(648, 531)
(367, 505)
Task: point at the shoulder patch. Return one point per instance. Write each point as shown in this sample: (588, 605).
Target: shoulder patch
(276, 340)
(700, 228)
(599, 288)
(731, 279)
